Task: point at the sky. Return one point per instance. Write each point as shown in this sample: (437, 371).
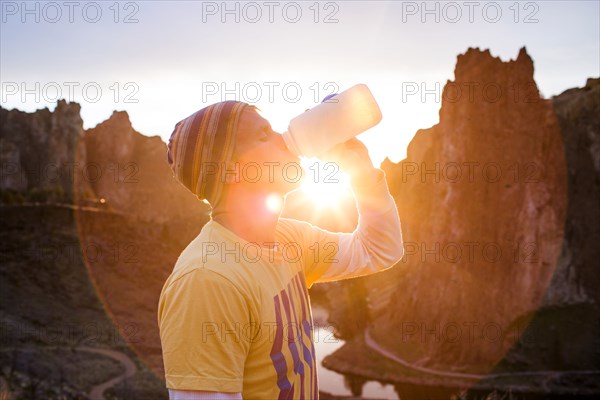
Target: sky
(161, 61)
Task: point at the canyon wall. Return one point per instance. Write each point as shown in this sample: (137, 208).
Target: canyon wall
(500, 217)
(110, 166)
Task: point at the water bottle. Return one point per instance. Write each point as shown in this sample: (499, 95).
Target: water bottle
(339, 118)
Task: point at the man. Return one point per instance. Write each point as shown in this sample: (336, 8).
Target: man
(234, 316)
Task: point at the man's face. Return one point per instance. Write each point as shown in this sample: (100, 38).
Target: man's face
(262, 156)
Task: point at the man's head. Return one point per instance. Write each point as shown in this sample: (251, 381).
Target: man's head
(229, 144)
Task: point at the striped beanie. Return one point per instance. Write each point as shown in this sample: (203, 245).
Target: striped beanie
(201, 146)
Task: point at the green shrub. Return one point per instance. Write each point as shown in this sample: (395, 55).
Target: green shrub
(10, 196)
(55, 194)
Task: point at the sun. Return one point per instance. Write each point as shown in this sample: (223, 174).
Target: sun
(323, 183)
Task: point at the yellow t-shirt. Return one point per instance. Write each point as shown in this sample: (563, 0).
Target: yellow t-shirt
(235, 316)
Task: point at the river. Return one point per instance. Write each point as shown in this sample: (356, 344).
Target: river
(330, 381)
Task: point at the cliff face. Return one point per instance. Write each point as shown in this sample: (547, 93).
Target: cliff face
(482, 200)
(62, 258)
(43, 150)
(576, 279)
(564, 334)
(134, 176)
(51, 152)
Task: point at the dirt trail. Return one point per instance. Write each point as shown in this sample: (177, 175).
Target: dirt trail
(97, 392)
(372, 344)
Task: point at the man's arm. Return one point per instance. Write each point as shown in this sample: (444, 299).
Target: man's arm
(203, 346)
(376, 244)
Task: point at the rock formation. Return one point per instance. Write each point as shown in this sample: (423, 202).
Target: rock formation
(564, 333)
(500, 217)
(43, 151)
(134, 176)
(576, 278)
(482, 199)
(110, 165)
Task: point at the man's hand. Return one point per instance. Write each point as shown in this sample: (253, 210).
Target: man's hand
(353, 158)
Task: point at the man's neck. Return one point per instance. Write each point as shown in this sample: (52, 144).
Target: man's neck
(248, 215)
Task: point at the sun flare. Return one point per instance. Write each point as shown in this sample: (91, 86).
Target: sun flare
(323, 183)
(274, 203)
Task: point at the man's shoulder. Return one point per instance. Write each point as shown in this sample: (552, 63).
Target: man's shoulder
(204, 275)
(293, 229)
(201, 278)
